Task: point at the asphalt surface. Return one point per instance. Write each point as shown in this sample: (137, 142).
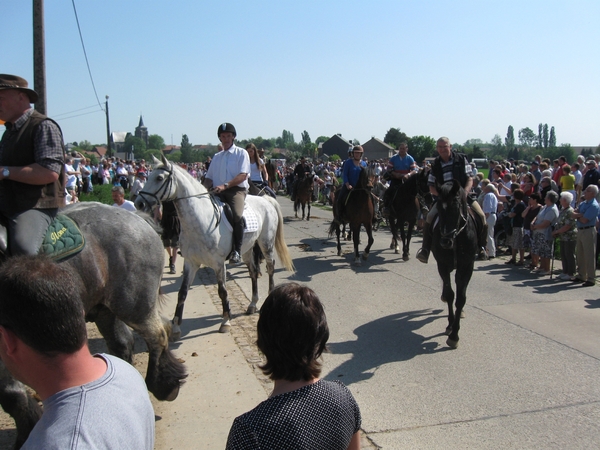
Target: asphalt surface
(525, 374)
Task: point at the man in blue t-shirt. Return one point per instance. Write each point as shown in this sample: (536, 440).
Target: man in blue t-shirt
(90, 401)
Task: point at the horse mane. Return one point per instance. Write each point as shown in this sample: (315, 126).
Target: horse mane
(452, 189)
(184, 173)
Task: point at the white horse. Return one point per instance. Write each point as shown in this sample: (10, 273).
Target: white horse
(206, 238)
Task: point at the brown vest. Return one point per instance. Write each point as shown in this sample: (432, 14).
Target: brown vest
(18, 150)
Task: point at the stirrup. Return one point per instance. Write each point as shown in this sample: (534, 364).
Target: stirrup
(235, 258)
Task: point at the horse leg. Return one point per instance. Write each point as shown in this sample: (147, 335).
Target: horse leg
(406, 245)
(303, 210)
(369, 230)
(339, 246)
(394, 229)
(296, 204)
(308, 216)
(15, 400)
(165, 373)
(225, 323)
(355, 229)
(447, 296)
(462, 279)
(117, 335)
(253, 271)
(189, 272)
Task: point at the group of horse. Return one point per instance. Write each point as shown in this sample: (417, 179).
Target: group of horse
(120, 292)
(454, 240)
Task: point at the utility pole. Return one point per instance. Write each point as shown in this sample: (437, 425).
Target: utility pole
(39, 56)
(108, 149)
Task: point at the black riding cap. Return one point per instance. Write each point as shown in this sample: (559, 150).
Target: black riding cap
(226, 128)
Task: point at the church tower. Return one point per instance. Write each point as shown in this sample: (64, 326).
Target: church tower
(142, 132)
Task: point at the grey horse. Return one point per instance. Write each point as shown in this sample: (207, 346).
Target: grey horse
(119, 270)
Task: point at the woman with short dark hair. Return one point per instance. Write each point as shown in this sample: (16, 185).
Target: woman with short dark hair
(302, 412)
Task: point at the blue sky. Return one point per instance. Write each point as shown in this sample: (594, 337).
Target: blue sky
(465, 69)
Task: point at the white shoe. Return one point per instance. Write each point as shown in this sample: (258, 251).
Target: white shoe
(565, 277)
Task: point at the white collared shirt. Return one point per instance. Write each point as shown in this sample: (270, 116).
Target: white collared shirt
(236, 161)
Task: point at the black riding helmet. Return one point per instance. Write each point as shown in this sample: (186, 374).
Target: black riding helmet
(226, 128)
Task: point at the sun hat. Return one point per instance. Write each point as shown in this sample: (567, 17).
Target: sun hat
(15, 82)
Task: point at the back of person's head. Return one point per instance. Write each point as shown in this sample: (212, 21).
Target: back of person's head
(537, 197)
(292, 333)
(40, 303)
(518, 194)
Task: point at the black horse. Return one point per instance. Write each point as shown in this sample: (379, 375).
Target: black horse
(358, 211)
(404, 209)
(454, 247)
(304, 194)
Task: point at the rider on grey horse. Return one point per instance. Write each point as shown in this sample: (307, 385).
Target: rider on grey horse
(228, 177)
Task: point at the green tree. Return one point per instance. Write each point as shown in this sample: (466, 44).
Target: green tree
(156, 142)
(85, 145)
(186, 150)
(421, 147)
(321, 139)
(540, 140)
(552, 139)
(527, 137)
(135, 143)
(497, 145)
(509, 141)
(305, 139)
(394, 136)
(285, 140)
(545, 136)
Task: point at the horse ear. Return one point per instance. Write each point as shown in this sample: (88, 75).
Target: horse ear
(164, 159)
(455, 186)
(155, 160)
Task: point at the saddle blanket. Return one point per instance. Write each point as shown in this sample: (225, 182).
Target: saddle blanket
(63, 238)
(250, 218)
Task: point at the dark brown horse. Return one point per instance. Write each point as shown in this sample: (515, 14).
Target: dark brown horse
(357, 212)
(304, 193)
(404, 209)
(454, 246)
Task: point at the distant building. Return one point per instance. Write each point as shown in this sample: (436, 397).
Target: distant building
(336, 145)
(377, 149)
(117, 143)
(141, 131)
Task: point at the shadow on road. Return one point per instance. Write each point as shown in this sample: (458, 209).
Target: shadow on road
(592, 304)
(389, 339)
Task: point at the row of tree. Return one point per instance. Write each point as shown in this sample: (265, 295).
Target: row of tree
(420, 147)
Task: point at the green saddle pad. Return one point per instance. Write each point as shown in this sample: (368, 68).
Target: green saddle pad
(64, 238)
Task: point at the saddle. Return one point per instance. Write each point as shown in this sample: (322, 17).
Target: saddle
(249, 218)
(63, 239)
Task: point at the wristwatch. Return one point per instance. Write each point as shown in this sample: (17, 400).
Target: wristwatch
(5, 172)
(226, 185)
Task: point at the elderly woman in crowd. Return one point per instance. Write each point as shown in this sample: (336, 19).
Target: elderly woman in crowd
(533, 208)
(542, 239)
(566, 230)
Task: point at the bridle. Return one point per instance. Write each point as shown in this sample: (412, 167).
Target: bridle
(165, 187)
(461, 224)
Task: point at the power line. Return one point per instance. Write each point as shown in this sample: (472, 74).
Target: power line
(74, 111)
(85, 54)
(78, 115)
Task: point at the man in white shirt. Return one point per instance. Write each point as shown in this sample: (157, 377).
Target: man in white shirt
(118, 195)
(227, 176)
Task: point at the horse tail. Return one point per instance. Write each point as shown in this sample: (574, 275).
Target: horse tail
(333, 228)
(280, 245)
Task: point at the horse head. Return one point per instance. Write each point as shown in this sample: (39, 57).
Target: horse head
(159, 186)
(452, 210)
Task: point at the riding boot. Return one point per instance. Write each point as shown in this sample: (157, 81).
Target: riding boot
(423, 253)
(238, 236)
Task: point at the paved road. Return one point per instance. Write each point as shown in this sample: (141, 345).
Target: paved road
(525, 374)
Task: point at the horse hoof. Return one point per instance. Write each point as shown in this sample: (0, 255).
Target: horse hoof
(442, 298)
(173, 395)
(392, 246)
(448, 331)
(405, 258)
(365, 256)
(251, 310)
(452, 343)
(175, 334)
(225, 328)
(357, 262)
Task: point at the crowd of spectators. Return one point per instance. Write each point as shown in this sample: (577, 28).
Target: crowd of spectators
(541, 206)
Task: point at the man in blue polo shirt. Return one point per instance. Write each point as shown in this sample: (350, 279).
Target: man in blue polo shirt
(586, 215)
